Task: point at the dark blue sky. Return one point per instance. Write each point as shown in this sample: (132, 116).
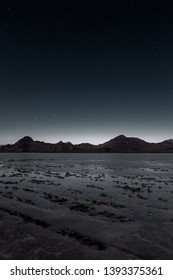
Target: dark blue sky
(86, 71)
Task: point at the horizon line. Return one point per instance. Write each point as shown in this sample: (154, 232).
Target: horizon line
(122, 135)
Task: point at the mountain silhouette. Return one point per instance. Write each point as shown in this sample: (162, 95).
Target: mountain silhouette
(119, 144)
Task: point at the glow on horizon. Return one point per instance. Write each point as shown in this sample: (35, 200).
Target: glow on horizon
(78, 139)
(100, 140)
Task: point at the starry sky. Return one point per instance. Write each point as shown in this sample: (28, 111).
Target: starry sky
(85, 70)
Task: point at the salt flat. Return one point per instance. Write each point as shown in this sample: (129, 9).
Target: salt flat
(86, 206)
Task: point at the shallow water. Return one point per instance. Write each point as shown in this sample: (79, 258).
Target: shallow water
(90, 206)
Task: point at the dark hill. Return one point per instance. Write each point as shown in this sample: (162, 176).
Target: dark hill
(122, 143)
(119, 144)
(24, 141)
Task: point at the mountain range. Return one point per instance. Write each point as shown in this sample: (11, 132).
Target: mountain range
(119, 144)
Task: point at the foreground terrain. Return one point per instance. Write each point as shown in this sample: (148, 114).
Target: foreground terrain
(86, 206)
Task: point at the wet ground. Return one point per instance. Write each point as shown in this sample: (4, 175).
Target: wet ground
(86, 206)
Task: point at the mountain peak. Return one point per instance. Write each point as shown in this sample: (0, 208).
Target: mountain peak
(121, 136)
(25, 140)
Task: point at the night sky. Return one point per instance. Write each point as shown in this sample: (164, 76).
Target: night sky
(86, 71)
